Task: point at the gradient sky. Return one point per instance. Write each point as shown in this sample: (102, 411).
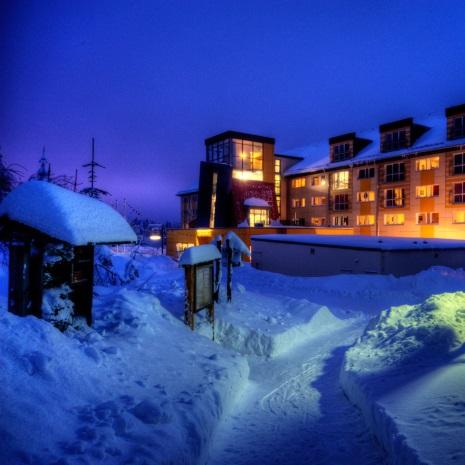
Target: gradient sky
(151, 80)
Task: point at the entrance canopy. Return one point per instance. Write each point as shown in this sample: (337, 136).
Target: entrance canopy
(255, 202)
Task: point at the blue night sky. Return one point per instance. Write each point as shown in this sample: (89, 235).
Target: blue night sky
(151, 80)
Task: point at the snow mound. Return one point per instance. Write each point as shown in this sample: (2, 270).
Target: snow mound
(407, 374)
(138, 388)
(264, 326)
(66, 215)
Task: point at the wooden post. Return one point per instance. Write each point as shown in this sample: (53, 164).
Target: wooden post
(189, 305)
(229, 271)
(216, 290)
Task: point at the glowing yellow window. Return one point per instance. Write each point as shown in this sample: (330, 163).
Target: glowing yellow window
(298, 182)
(425, 164)
(365, 220)
(366, 196)
(459, 217)
(259, 216)
(398, 218)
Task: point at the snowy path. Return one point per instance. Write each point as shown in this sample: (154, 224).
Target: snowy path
(294, 412)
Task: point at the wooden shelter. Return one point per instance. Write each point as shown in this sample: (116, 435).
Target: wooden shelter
(51, 233)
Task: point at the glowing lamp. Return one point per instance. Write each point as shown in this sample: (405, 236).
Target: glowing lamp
(154, 237)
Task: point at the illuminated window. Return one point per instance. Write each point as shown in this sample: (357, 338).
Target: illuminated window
(247, 159)
(427, 218)
(259, 216)
(395, 172)
(317, 220)
(340, 180)
(431, 190)
(340, 220)
(297, 203)
(341, 202)
(365, 220)
(298, 182)
(459, 163)
(366, 196)
(277, 183)
(394, 197)
(181, 246)
(398, 218)
(459, 192)
(213, 200)
(319, 180)
(248, 175)
(425, 164)
(366, 173)
(317, 201)
(458, 217)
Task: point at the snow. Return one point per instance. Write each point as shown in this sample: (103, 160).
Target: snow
(364, 242)
(141, 387)
(65, 215)
(199, 254)
(237, 244)
(407, 374)
(192, 190)
(316, 155)
(256, 202)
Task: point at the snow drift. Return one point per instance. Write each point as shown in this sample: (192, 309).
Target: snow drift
(407, 374)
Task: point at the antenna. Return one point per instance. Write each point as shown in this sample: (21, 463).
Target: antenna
(93, 191)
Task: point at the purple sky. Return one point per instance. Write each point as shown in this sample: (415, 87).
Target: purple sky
(150, 80)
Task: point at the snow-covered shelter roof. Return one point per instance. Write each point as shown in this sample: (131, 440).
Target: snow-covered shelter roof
(200, 254)
(316, 156)
(363, 242)
(66, 215)
(256, 202)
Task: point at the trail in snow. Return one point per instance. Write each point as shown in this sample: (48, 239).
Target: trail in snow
(294, 412)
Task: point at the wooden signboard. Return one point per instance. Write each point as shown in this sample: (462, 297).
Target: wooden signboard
(199, 292)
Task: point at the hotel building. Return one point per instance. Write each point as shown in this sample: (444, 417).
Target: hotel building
(405, 178)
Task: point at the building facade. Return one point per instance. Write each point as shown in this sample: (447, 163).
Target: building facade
(405, 178)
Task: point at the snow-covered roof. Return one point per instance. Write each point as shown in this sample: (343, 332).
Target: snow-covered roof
(199, 254)
(316, 156)
(66, 215)
(363, 242)
(256, 202)
(192, 190)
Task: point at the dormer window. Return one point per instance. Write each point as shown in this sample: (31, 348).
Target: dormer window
(346, 146)
(400, 134)
(458, 127)
(455, 122)
(394, 140)
(342, 152)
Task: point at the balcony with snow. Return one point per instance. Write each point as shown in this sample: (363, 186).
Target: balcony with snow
(51, 233)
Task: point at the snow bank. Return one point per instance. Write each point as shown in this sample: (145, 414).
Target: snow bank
(260, 324)
(407, 374)
(138, 388)
(199, 254)
(65, 215)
